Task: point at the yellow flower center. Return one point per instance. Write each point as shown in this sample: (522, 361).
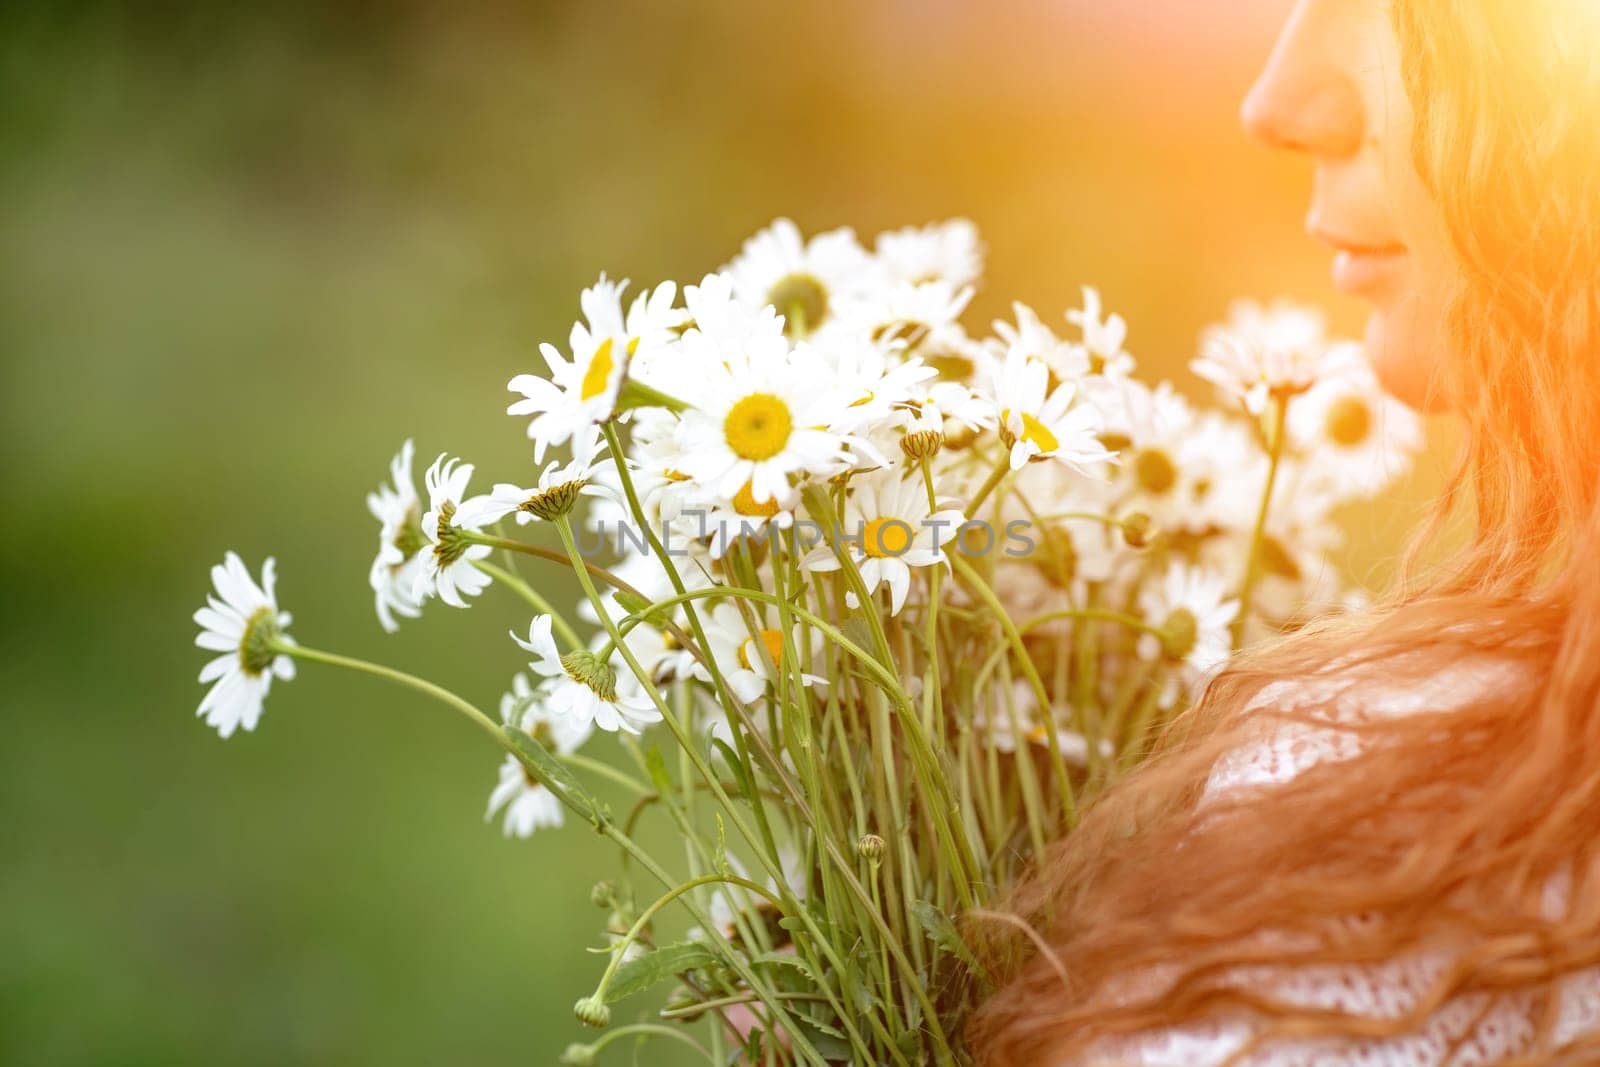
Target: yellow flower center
(672, 474)
(1155, 471)
(773, 639)
(1034, 431)
(758, 427)
(598, 376)
(1348, 421)
(802, 301)
(744, 502)
(886, 537)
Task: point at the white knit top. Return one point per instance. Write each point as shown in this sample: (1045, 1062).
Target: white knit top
(1376, 991)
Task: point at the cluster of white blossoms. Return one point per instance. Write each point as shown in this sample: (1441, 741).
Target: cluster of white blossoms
(823, 363)
(913, 595)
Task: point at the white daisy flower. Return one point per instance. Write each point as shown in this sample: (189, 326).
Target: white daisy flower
(1040, 423)
(583, 391)
(242, 622)
(888, 528)
(1191, 606)
(760, 414)
(874, 382)
(739, 656)
(807, 282)
(725, 521)
(1151, 432)
(1263, 351)
(1030, 337)
(528, 804)
(911, 318)
(1102, 338)
(1350, 430)
(1035, 733)
(729, 901)
(400, 558)
(584, 686)
(554, 494)
(448, 570)
(946, 251)
(1226, 470)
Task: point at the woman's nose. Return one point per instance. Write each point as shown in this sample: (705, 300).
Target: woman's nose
(1304, 101)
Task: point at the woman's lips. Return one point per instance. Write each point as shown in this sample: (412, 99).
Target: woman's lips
(1365, 269)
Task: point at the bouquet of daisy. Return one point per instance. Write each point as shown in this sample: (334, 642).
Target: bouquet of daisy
(872, 609)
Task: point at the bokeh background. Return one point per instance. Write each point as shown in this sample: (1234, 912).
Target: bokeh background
(246, 252)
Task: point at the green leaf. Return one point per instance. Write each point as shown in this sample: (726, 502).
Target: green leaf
(944, 933)
(656, 764)
(741, 773)
(641, 973)
(554, 776)
(828, 1039)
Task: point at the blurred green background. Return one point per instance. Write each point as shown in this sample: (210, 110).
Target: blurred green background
(245, 253)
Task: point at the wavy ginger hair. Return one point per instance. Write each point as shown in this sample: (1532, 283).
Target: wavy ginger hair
(1450, 822)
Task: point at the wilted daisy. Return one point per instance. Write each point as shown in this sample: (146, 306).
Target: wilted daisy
(554, 494)
(583, 391)
(528, 804)
(243, 623)
(1041, 423)
(944, 251)
(738, 652)
(448, 569)
(1262, 351)
(808, 282)
(887, 529)
(760, 415)
(400, 558)
(1190, 605)
(584, 686)
(1351, 431)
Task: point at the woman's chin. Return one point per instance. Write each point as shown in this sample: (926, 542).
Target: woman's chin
(1406, 348)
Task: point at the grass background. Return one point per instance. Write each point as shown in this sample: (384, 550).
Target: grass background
(246, 253)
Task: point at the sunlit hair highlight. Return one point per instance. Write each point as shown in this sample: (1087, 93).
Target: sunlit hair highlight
(1448, 829)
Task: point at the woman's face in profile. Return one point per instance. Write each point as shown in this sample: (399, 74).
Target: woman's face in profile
(1332, 89)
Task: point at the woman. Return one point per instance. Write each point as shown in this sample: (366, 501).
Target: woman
(1376, 843)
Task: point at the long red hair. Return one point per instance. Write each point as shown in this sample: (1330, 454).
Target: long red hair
(1450, 823)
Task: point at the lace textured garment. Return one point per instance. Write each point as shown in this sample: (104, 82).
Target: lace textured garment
(1470, 1029)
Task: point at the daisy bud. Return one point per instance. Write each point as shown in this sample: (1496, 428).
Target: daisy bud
(579, 1055)
(1136, 529)
(556, 502)
(592, 1011)
(593, 672)
(922, 444)
(871, 847)
(1179, 634)
(604, 894)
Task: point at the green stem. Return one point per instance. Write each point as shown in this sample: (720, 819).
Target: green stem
(410, 681)
(620, 948)
(1001, 469)
(646, 1030)
(1252, 573)
(527, 592)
